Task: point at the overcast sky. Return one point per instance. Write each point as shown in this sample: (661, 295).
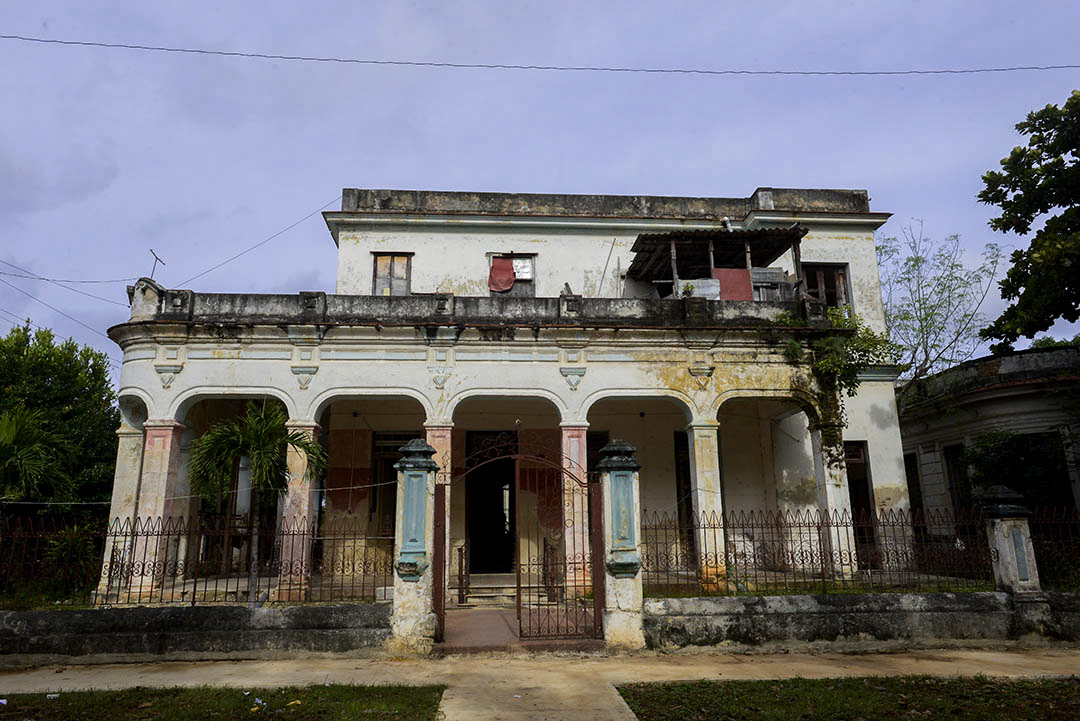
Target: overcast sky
(106, 153)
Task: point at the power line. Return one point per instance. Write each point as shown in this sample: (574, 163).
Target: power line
(262, 242)
(63, 280)
(35, 276)
(55, 309)
(547, 68)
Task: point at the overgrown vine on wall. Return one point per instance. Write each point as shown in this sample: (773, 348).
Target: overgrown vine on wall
(836, 360)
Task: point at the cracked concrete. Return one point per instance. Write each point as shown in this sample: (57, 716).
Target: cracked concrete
(542, 686)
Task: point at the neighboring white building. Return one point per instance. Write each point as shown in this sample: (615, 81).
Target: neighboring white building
(1032, 393)
(557, 319)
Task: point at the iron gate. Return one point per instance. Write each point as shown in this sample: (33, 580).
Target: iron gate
(556, 596)
(557, 519)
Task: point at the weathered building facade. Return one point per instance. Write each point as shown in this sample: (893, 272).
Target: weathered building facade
(1032, 393)
(517, 334)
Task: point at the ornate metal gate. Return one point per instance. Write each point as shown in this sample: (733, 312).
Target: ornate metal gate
(556, 534)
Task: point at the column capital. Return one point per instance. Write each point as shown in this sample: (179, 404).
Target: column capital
(438, 424)
(574, 424)
(126, 431)
(694, 426)
(163, 424)
(302, 425)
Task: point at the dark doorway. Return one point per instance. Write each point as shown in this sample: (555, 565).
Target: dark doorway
(490, 503)
(862, 502)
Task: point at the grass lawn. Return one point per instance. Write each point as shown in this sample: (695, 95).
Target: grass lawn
(868, 699)
(372, 703)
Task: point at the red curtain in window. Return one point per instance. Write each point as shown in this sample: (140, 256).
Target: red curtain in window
(501, 278)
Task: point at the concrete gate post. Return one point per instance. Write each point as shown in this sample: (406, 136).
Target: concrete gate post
(1013, 557)
(623, 596)
(412, 621)
(1009, 535)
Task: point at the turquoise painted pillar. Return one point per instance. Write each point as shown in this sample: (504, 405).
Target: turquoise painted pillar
(623, 597)
(413, 618)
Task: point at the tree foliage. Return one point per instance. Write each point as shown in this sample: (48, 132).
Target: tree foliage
(1045, 341)
(932, 300)
(259, 434)
(66, 389)
(32, 458)
(1039, 182)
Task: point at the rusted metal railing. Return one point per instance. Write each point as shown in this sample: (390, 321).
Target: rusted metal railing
(208, 559)
(771, 552)
(1055, 536)
(463, 573)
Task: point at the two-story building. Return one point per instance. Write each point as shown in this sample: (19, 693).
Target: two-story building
(518, 333)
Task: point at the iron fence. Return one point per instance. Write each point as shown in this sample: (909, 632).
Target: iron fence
(1055, 536)
(208, 559)
(771, 552)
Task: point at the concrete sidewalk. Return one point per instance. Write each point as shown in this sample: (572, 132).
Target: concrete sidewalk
(548, 686)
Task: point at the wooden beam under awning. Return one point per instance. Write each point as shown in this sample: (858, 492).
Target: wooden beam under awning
(707, 249)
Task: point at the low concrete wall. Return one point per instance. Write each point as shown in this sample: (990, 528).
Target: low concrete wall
(916, 618)
(203, 631)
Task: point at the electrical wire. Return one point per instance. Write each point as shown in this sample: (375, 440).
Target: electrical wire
(35, 276)
(262, 242)
(546, 68)
(55, 309)
(63, 280)
(113, 363)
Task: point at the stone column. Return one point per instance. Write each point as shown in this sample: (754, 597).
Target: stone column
(623, 596)
(116, 564)
(575, 497)
(834, 501)
(705, 492)
(157, 485)
(412, 622)
(439, 437)
(298, 520)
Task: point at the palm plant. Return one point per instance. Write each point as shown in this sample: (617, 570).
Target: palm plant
(260, 435)
(32, 457)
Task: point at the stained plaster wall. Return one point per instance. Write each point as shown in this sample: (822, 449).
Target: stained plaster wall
(872, 417)
(455, 260)
(833, 244)
(654, 438)
(454, 257)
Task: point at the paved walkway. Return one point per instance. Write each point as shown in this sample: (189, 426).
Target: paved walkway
(547, 686)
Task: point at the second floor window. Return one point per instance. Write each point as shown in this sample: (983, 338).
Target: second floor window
(392, 271)
(512, 275)
(827, 283)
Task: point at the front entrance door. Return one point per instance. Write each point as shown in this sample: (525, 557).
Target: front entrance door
(490, 523)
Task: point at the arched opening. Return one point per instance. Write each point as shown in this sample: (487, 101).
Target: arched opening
(656, 427)
(356, 504)
(237, 532)
(518, 517)
(766, 456)
(484, 494)
(133, 412)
